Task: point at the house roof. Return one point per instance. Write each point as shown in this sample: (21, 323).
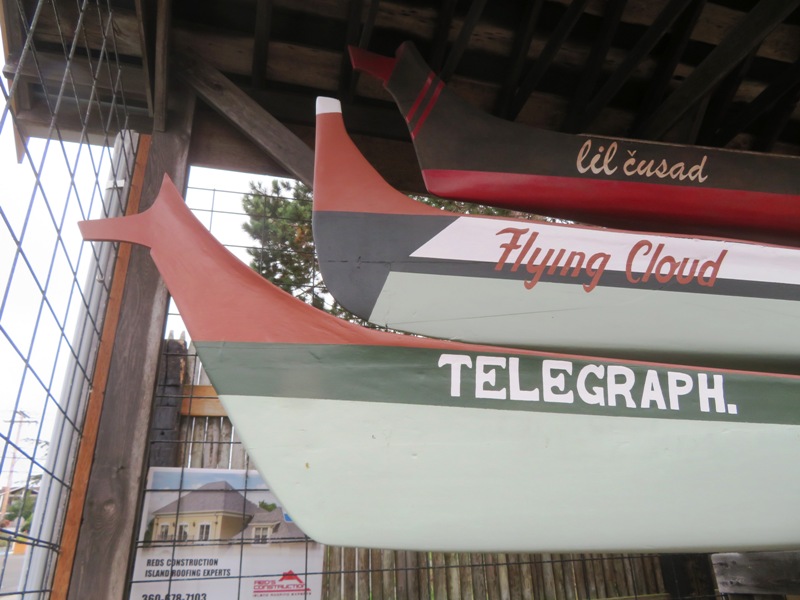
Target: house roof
(218, 496)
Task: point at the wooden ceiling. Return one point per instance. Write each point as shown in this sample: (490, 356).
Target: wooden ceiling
(716, 73)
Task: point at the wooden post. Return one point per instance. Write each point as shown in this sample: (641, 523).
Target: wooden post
(104, 553)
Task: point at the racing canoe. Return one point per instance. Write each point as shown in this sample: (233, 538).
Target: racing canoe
(468, 154)
(528, 283)
(371, 438)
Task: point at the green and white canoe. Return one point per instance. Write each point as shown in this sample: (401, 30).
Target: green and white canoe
(534, 284)
(378, 439)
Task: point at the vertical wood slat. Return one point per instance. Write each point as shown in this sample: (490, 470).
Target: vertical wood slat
(465, 576)
(412, 575)
(388, 580)
(478, 576)
(502, 576)
(425, 575)
(514, 576)
(376, 574)
(91, 424)
(451, 573)
(400, 576)
(362, 577)
(440, 577)
(526, 576)
(333, 573)
(348, 572)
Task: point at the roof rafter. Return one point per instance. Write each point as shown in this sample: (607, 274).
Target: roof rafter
(742, 39)
(248, 116)
(545, 59)
(594, 64)
(462, 41)
(784, 84)
(682, 31)
(263, 25)
(668, 15)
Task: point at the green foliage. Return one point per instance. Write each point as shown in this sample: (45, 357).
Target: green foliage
(280, 223)
(267, 506)
(22, 506)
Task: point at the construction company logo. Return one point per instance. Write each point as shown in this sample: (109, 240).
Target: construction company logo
(287, 585)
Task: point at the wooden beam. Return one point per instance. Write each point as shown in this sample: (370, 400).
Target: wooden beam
(784, 84)
(110, 515)
(243, 112)
(441, 34)
(751, 30)
(263, 24)
(548, 54)
(776, 121)
(594, 65)
(163, 26)
(757, 572)
(462, 41)
(49, 71)
(641, 49)
(523, 37)
(94, 405)
(146, 19)
(347, 74)
(721, 100)
(656, 90)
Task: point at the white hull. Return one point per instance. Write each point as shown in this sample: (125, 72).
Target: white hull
(451, 478)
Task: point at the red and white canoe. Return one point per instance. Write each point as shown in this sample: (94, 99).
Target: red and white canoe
(470, 155)
(525, 283)
(376, 439)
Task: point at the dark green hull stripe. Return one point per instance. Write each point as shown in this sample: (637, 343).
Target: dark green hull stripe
(551, 384)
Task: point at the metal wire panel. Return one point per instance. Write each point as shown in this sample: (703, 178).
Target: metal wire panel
(76, 165)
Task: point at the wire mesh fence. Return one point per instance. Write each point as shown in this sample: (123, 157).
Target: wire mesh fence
(66, 154)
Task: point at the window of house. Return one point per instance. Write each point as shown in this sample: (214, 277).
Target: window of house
(183, 532)
(163, 532)
(261, 534)
(204, 532)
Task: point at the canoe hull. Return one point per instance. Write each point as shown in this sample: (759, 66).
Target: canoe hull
(490, 281)
(468, 154)
(437, 471)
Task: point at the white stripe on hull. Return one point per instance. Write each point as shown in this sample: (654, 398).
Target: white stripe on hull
(559, 316)
(476, 239)
(372, 474)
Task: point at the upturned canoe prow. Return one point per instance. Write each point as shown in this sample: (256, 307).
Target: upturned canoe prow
(242, 306)
(343, 179)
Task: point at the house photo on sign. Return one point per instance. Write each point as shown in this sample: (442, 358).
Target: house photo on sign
(208, 534)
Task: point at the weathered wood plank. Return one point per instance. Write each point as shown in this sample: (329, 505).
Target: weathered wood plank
(362, 577)
(376, 575)
(349, 572)
(757, 572)
(91, 426)
(163, 26)
(388, 579)
(243, 112)
(440, 577)
(111, 508)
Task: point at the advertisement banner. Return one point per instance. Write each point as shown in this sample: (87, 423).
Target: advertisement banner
(210, 534)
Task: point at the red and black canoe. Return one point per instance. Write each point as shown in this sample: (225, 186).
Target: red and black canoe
(471, 155)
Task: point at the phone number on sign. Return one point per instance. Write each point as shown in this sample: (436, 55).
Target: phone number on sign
(201, 596)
